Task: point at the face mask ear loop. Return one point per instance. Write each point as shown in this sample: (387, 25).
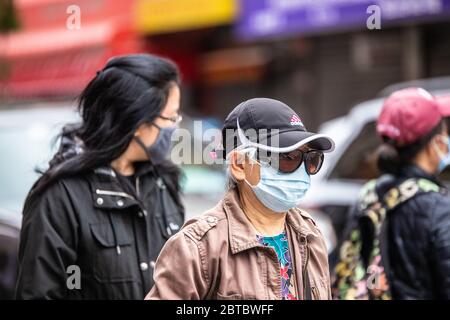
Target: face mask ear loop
(246, 147)
(155, 125)
(250, 152)
(250, 156)
(141, 144)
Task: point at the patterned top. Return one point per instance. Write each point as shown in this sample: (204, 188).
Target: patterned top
(281, 246)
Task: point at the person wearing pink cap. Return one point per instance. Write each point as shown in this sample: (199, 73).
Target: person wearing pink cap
(398, 245)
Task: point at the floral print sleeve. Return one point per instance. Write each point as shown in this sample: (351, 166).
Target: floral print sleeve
(281, 246)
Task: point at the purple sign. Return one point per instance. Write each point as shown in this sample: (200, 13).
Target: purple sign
(265, 18)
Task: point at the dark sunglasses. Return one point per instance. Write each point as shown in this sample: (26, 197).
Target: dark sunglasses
(291, 161)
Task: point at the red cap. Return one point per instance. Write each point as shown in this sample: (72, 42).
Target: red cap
(409, 114)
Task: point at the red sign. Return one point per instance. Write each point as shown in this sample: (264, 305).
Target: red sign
(46, 58)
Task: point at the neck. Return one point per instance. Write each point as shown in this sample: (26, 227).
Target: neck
(123, 166)
(265, 221)
(426, 165)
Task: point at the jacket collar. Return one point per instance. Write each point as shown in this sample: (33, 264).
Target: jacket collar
(242, 235)
(141, 168)
(388, 181)
(108, 192)
(413, 171)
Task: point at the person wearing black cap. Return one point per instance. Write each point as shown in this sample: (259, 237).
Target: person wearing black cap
(256, 243)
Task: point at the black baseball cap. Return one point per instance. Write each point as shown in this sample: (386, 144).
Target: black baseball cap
(270, 125)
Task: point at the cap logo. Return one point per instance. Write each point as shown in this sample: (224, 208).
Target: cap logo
(295, 121)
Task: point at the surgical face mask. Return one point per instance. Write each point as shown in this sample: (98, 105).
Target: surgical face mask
(444, 158)
(281, 191)
(159, 150)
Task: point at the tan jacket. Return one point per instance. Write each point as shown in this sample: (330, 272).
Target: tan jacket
(217, 256)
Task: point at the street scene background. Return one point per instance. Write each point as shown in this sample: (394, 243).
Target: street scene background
(332, 61)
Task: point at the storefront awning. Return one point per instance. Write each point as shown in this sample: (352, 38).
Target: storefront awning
(59, 62)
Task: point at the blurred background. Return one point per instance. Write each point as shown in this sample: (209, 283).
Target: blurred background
(317, 56)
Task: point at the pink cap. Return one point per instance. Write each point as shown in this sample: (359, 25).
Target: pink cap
(409, 114)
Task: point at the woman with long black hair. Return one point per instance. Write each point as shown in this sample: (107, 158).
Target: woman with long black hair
(95, 221)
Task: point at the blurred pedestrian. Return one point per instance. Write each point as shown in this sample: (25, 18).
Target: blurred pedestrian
(110, 198)
(398, 246)
(255, 244)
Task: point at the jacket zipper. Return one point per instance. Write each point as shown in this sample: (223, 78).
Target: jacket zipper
(114, 193)
(137, 186)
(123, 194)
(144, 212)
(305, 270)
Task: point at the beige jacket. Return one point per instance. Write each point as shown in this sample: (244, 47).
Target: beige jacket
(217, 256)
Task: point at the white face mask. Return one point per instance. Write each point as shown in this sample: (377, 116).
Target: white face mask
(444, 158)
(281, 191)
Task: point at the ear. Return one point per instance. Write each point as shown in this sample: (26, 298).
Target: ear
(434, 148)
(237, 166)
(438, 140)
(138, 132)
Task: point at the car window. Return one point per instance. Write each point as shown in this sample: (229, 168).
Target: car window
(359, 161)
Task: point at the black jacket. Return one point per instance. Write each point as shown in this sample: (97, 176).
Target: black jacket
(89, 221)
(418, 240)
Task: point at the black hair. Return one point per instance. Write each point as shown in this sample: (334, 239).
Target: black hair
(392, 158)
(129, 91)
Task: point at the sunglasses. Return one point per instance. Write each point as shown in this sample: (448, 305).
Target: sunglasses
(291, 161)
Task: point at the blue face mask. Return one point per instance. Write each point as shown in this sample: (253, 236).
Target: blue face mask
(159, 150)
(281, 191)
(445, 158)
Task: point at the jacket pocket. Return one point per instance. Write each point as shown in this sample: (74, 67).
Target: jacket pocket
(113, 254)
(235, 296)
(229, 297)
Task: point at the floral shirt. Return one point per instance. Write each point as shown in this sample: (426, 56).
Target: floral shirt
(281, 246)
